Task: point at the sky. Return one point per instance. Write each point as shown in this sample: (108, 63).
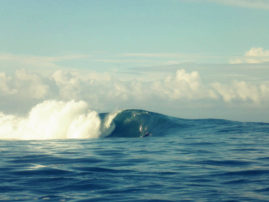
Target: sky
(185, 58)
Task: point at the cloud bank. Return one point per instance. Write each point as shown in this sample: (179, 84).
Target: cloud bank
(107, 91)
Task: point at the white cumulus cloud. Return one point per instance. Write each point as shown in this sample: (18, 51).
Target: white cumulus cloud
(180, 85)
(23, 84)
(241, 91)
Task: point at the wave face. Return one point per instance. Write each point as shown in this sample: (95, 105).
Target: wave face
(140, 123)
(74, 120)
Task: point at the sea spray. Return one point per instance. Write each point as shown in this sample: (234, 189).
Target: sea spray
(56, 120)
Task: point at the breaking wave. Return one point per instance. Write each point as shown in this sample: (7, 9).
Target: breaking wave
(74, 120)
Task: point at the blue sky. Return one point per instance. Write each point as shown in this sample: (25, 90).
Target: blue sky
(200, 54)
(120, 26)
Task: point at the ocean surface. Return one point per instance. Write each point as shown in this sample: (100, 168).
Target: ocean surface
(145, 157)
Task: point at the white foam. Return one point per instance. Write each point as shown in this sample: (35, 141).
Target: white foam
(108, 125)
(56, 120)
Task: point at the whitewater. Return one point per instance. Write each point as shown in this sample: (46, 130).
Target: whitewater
(65, 151)
(56, 120)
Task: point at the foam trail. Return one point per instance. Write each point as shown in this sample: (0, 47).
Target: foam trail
(56, 120)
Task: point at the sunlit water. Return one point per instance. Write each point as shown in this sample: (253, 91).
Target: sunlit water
(210, 160)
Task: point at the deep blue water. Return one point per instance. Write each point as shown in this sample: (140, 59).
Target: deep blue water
(148, 157)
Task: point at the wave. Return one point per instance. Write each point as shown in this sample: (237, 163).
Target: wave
(74, 120)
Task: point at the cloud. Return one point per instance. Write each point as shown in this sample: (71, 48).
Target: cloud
(93, 87)
(257, 4)
(68, 84)
(179, 86)
(4, 84)
(23, 85)
(30, 84)
(252, 56)
(241, 91)
(257, 52)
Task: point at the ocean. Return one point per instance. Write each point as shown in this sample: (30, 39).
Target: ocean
(145, 156)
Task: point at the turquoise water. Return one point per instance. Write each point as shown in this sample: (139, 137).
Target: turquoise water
(148, 157)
